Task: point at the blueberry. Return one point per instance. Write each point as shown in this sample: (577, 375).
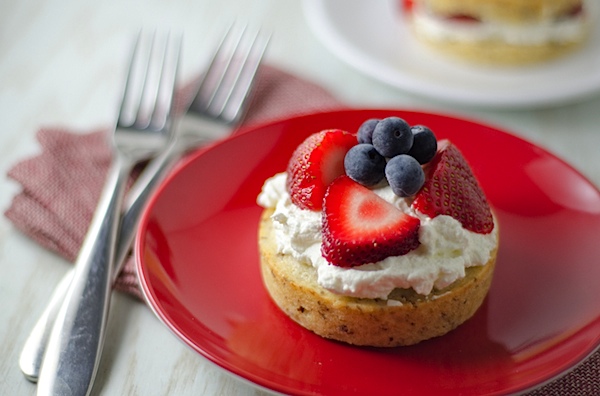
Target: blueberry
(424, 144)
(365, 131)
(405, 175)
(364, 164)
(392, 136)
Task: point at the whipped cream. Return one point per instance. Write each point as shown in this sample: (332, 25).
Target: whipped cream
(446, 249)
(438, 28)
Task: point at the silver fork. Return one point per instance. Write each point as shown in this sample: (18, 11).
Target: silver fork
(219, 104)
(75, 344)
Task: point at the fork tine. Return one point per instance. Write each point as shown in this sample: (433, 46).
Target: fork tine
(155, 107)
(226, 84)
(166, 89)
(228, 75)
(148, 94)
(136, 75)
(214, 74)
(150, 84)
(241, 86)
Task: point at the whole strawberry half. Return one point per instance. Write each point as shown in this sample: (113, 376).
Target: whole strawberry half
(315, 163)
(359, 227)
(451, 189)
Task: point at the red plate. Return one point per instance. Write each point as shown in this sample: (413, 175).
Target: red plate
(198, 263)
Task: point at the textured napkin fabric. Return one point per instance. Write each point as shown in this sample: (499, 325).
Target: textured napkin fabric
(61, 186)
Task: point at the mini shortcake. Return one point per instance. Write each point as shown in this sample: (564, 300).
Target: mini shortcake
(500, 32)
(380, 238)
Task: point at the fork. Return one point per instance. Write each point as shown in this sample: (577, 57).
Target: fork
(238, 56)
(220, 103)
(75, 344)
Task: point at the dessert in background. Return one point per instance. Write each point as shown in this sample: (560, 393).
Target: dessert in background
(500, 32)
(381, 238)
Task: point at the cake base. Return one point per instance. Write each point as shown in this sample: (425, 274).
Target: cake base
(411, 318)
(498, 53)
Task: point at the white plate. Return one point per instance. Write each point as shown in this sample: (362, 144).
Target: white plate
(373, 37)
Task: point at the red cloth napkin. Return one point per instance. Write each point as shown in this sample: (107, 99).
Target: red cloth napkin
(62, 184)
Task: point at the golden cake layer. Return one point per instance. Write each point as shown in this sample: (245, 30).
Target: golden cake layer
(405, 319)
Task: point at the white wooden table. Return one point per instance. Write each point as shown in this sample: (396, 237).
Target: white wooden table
(61, 63)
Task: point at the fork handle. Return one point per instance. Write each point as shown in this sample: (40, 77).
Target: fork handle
(138, 197)
(156, 170)
(32, 354)
(75, 345)
(30, 360)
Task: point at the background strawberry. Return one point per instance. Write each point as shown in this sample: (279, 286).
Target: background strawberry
(360, 227)
(315, 163)
(451, 189)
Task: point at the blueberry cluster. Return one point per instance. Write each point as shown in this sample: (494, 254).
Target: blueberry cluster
(391, 148)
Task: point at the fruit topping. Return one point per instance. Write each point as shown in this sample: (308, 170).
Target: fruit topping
(576, 11)
(315, 163)
(407, 5)
(451, 189)
(365, 131)
(364, 164)
(404, 175)
(463, 18)
(392, 136)
(424, 144)
(359, 227)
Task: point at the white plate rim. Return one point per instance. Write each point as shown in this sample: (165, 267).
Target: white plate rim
(565, 80)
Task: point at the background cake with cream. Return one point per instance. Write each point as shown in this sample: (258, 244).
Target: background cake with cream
(501, 32)
(374, 257)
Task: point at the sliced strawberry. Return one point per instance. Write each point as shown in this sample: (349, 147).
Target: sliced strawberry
(359, 227)
(464, 18)
(407, 5)
(451, 189)
(315, 163)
